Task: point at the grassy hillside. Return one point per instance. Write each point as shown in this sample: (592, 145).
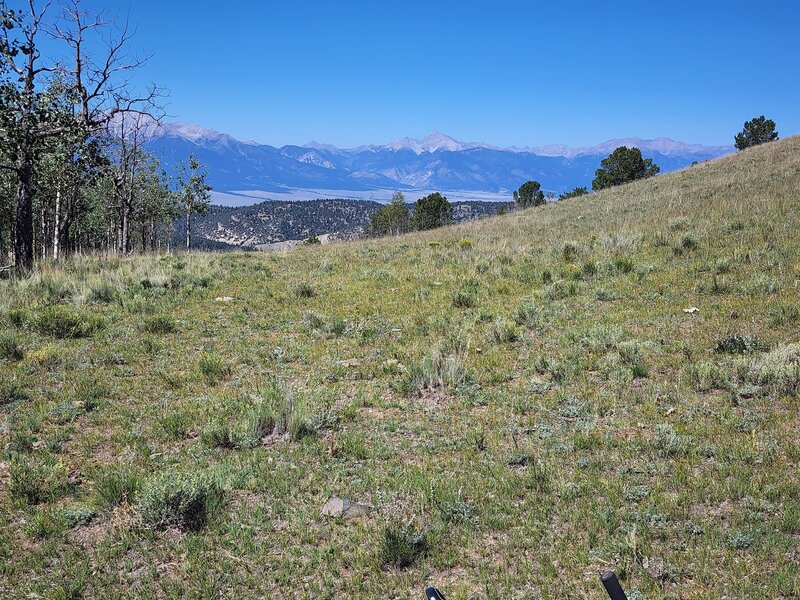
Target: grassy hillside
(524, 400)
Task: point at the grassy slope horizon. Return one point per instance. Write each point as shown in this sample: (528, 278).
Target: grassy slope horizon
(527, 392)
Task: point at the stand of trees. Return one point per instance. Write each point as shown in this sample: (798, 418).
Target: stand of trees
(392, 219)
(74, 175)
(429, 212)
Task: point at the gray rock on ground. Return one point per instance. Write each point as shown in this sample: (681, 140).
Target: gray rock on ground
(343, 508)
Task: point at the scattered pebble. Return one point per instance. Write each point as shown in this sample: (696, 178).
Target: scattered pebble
(343, 508)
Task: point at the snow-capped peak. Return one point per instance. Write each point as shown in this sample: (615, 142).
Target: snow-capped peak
(431, 143)
(193, 133)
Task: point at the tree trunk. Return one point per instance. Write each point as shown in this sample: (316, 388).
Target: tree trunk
(23, 245)
(43, 230)
(57, 224)
(125, 244)
(188, 230)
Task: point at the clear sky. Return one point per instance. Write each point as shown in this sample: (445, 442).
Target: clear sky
(520, 73)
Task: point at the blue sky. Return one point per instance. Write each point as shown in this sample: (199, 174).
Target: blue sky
(508, 73)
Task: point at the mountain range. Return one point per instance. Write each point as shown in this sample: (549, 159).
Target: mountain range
(245, 172)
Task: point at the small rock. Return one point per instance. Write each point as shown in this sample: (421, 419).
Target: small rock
(342, 508)
(335, 507)
(224, 299)
(691, 310)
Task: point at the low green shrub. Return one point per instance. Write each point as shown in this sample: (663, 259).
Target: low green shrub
(401, 546)
(304, 290)
(213, 368)
(13, 390)
(10, 348)
(77, 515)
(528, 314)
(706, 376)
(737, 344)
(45, 523)
(466, 295)
(778, 370)
(569, 251)
(178, 499)
(37, 482)
(443, 367)
(622, 265)
(160, 324)
(61, 322)
(114, 487)
(505, 331)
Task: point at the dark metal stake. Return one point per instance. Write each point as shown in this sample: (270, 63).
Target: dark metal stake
(612, 586)
(432, 593)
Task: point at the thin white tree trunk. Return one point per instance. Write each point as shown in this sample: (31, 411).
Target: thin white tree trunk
(188, 230)
(57, 224)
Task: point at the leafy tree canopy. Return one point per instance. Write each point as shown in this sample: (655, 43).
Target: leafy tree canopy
(622, 166)
(392, 219)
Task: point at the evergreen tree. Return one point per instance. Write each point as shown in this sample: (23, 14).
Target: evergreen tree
(529, 194)
(759, 130)
(622, 166)
(432, 211)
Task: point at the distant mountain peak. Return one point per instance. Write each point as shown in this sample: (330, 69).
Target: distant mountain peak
(188, 131)
(197, 134)
(432, 142)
